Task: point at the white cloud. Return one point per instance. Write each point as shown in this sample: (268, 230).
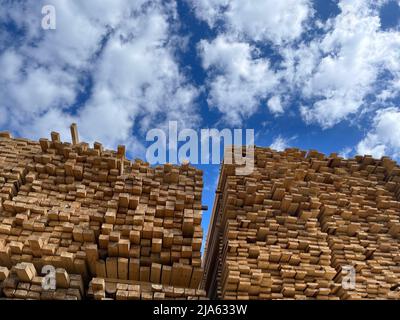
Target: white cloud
(53, 119)
(209, 10)
(127, 50)
(280, 143)
(384, 138)
(349, 62)
(371, 145)
(346, 152)
(344, 68)
(276, 21)
(238, 80)
(275, 105)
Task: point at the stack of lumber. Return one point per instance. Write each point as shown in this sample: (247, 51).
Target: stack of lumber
(108, 289)
(95, 213)
(23, 282)
(291, 228)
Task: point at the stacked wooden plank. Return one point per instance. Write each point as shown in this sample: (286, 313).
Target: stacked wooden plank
(292, 228)
(362, 221)
(24, 282)
(95, 213)
(109, 289)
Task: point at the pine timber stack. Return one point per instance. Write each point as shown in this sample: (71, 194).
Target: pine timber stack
(23, 282)
(96, 214)
(109, 289)
(288, 230)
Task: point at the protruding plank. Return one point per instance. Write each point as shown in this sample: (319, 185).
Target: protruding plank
(112, 268)
(134, 268)
(5, 134)
(166, 275)
(55, 137)
(62, 278)
(4, 272)
(121, 151)
(25, 271)
(155, 273)
(123, 264)
(74, 134)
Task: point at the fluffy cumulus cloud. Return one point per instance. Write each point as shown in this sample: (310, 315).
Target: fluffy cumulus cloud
(280, 143)
(105, 66)
(261, 20)
(334, 69)
(384, 138)
(238, 80)
(114, 68)
(275, 105)
(352, 60)
(346, 152)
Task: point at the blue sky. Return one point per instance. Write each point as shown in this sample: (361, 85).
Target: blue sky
(322, 74)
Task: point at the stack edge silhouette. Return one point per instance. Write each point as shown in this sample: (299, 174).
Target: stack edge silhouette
(110, 227)
(304, 226)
